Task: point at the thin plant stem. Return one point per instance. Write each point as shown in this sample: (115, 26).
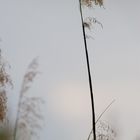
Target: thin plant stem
(104, 111)
(17, 117)
(89, 74)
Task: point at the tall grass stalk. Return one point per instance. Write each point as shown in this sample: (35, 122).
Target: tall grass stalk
(89, 73)
(89, 3)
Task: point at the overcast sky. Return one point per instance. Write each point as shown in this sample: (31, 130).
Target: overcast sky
(52, 31)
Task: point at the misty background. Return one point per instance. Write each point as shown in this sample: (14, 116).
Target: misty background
(52, 31)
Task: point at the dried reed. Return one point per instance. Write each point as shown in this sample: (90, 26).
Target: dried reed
(29, 116)
(5, 82)
(88, 70)
(5, 79)
(88, 24)
(91, 3)
(90, 21)
(3, 105)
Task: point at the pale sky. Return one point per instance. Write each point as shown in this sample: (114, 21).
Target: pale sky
(52, 31)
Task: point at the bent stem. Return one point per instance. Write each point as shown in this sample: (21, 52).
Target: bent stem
(89, 74)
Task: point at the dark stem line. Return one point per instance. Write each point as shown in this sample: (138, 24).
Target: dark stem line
(89, 74)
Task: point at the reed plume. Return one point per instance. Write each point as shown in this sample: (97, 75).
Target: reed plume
(90, 21)
(5, 79)
(91, 3)
(5, 82)
(29, 116)
(103, 132)
(3, 106)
